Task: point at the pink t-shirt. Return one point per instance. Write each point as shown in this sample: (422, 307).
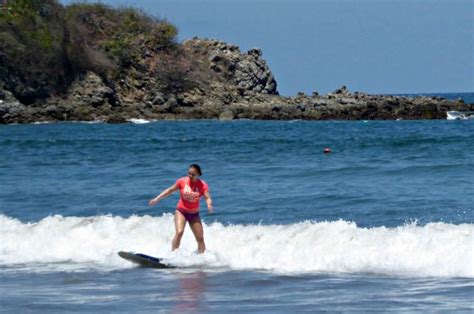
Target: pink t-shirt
(190, 192)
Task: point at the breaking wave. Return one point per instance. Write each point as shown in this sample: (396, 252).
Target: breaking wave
(433, 250)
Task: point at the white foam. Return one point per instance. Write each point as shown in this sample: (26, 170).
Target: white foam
(96, 121)
(436, 249)
(139, 121)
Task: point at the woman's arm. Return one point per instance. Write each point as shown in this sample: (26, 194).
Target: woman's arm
(208, 198)
(163, 195)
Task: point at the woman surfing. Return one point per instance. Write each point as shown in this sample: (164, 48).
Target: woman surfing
(191, 189)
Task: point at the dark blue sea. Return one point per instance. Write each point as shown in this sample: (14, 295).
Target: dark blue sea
(383, 223)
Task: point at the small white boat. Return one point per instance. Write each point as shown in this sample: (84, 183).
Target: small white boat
(460, 115)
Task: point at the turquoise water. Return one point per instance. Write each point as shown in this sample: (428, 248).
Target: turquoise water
(384, 222)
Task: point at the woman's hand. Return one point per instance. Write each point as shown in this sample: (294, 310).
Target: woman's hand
(153, 202)
(163, 194)
(208, 198)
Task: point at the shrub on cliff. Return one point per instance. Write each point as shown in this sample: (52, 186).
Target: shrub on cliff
(174, 72)
(125, 35)
(44, 46)
(33, 61)
(131, 43)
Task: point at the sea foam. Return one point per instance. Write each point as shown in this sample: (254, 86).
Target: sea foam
(432, 250)
(139, 121)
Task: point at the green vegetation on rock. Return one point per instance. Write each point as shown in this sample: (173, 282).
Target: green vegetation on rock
(32, 56)
(44, 46)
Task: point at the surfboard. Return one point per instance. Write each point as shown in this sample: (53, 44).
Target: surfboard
(144, 260)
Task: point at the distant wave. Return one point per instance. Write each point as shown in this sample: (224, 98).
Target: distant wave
(433, 250)
(139, 121)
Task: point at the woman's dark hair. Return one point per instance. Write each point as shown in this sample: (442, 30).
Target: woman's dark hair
(197, 168)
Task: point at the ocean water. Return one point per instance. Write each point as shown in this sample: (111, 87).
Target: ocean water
(383, 223)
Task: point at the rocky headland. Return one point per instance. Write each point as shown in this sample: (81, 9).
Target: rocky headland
(88, 62)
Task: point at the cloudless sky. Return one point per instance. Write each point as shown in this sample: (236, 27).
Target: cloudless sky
(375, 46)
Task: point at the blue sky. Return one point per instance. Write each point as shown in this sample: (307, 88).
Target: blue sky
(375, 46)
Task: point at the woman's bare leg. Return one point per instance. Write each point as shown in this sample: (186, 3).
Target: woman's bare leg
(196, 227)
(179, 224)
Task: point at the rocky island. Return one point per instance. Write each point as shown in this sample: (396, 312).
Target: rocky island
(89, 62)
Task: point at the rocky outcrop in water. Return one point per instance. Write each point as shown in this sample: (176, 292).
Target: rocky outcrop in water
(247, 71)
(10, 108)
(122, 71)
(90, 99)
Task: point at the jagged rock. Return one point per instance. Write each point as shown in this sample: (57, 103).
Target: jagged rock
(51, 110)
(115, 118)
(214, 57)
(159, 99)
(342, 91)
(11, 110)
(256, 52)
(91, 90)
(172, 101)
(226, 115)
(247, 71)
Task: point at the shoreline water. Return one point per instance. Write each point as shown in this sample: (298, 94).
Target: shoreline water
(384, 222)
